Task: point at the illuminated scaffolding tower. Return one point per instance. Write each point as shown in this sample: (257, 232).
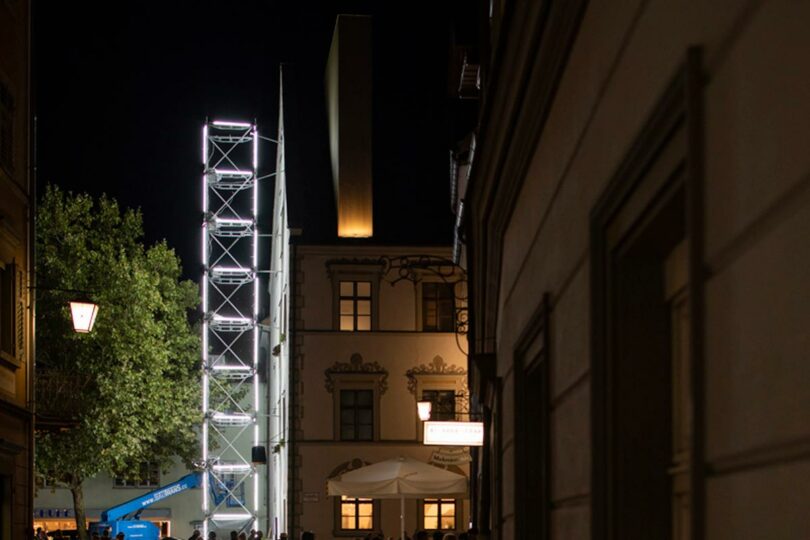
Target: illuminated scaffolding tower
(230, 328)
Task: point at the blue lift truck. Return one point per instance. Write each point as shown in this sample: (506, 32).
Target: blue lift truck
(125, 517)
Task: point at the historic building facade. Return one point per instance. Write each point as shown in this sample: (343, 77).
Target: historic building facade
(360, 329)
(16, 265)
(636, 222)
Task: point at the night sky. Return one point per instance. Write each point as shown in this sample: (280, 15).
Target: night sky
(121, 98)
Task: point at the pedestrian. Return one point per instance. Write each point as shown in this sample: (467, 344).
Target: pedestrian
(119, 536)
(259, 535)
(242, 535)
(234, 535)
(106, 534)
(195, 535)
(282, 536)
(212, 535)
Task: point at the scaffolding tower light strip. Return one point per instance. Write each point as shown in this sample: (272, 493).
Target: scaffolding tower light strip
(228, 169)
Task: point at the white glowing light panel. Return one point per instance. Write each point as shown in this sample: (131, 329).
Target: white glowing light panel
(454, 433)
(230, 331)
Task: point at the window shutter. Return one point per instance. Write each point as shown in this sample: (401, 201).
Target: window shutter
(19, 320)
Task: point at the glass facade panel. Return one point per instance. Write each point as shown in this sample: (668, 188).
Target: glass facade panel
(364, 288)
(363, 307)
(346, 323)
(363, 324)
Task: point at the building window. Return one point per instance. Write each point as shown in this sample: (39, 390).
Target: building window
(356, 415)
(443, 404)
(7, 323)
(356, 514)
(6, 128)
(148, 476)
(355, 306)
(438, 307)
(438, 514)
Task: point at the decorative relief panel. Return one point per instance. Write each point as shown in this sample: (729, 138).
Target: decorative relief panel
(437, 366)
(356, 366)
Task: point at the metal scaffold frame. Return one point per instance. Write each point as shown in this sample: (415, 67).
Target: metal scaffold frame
(230, 327)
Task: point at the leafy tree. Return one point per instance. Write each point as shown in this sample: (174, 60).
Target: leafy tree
(127, 392)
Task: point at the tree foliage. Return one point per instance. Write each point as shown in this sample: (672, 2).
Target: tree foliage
(139, 398)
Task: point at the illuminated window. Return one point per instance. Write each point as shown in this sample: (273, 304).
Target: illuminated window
(148, 476)
(438, 514)
(438, 307)
(356, 514)
(443, 404)
(355, 306)
(356, 415)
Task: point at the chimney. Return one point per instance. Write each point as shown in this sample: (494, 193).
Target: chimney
(348, 105)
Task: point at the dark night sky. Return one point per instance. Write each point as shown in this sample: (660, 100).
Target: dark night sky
(121, 98)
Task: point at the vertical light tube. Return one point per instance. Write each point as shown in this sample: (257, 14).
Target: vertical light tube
(256, 316)
(205, 144)
(255, 148)
(204, 434)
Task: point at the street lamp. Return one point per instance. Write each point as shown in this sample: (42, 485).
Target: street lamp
(83, 314)
(82, 311)
(424, 408)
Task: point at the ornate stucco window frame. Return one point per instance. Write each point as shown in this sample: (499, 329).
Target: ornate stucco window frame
(437, 375)
(356, 375)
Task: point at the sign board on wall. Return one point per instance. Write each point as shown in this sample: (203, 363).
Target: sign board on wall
(451, 455)
(454, 433)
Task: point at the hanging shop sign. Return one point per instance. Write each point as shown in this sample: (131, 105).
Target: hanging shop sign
(454, 433)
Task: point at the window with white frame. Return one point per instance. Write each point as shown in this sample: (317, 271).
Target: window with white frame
(355, 306)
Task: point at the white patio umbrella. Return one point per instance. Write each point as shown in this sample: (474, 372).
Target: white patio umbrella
(399, 478)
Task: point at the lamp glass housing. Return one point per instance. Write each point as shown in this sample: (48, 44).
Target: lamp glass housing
(84, 316)
(424, 408)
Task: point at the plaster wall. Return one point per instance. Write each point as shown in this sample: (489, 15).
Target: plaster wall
(757, 197)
